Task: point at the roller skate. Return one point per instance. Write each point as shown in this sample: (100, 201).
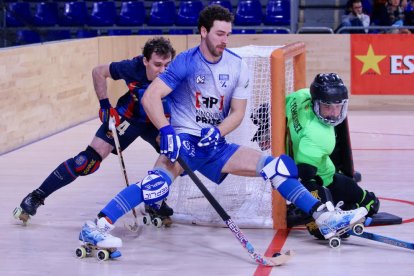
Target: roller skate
(158, 215)
(334, 222)
(95, 237)
(29, 205)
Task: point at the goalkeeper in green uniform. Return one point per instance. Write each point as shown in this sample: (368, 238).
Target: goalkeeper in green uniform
(311, 117)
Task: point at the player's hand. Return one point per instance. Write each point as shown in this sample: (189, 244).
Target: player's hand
(106, 112)
(170, 143)
(209, 136)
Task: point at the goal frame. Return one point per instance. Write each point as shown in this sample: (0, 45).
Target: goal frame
(297, 52)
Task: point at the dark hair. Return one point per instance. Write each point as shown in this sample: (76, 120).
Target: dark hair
(211, 13)
(159, 45)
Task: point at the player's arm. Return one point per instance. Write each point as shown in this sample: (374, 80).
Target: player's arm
(99, 75)
(152, 102)
(234, 119)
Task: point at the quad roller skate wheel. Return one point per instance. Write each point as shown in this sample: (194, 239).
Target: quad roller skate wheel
(157, 222)
(358, 229)
(146, 220)
(102, 255)
(81, 252)
(335, 242)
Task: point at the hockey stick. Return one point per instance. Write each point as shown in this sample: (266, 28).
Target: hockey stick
(383, 239)
(112, 127)
(279, 259)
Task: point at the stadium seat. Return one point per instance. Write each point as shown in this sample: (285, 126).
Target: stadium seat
(27, 37)
(275, 31)
(103, 14)
(52, 35)
(248, 13)
(180, 31)
(46, 14)
(74, 14)
(188, 12)
(18, 14)
(132, 14)
(224, 3)
(119, 32)
(150, 32)
(277, 13)
(162, 13)
(243, 31)
(86, 33)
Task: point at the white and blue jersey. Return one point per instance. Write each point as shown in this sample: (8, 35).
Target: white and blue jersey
(202, 91)
(201, 97)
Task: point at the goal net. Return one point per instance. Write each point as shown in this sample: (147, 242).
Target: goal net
(250, 201)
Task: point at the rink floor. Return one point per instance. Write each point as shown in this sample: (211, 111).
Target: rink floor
(383, 149)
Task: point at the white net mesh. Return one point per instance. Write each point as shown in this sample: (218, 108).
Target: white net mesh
(246, 199)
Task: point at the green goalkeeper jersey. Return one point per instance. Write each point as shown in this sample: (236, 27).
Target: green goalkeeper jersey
(312, 141)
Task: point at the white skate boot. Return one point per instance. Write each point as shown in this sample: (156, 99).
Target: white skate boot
(333, 222)
(95, 236)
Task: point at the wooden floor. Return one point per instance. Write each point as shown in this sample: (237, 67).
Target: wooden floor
(383, 144)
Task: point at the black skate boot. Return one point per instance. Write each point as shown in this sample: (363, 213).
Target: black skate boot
(158, 215)
(295, 216)
(29, 205)
(371, 203)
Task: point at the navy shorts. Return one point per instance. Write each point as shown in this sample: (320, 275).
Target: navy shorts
(207, 160)
(128, 132)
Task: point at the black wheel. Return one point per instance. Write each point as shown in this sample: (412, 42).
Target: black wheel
(358, 229)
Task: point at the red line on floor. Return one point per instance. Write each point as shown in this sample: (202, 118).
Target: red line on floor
(276, 245)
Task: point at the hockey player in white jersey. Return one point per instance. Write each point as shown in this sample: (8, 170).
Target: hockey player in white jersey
(208, 87)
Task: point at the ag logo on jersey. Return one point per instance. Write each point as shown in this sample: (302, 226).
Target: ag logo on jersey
(200, 79)
(223, 78)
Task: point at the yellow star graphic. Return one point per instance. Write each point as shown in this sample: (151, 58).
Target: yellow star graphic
(370, 61)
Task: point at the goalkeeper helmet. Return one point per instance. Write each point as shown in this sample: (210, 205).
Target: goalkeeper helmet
(329, 98)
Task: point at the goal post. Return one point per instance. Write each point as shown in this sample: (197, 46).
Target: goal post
(282, 59)
(251, 202)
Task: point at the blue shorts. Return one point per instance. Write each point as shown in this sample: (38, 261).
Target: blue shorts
(207, 160)
(128, 132)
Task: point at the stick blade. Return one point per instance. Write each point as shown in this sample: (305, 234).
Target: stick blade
(280, 259)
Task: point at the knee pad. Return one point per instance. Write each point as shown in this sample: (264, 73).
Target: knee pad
(279, 169)
(155, 187)
(87, 162)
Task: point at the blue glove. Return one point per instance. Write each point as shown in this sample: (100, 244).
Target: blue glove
(209, 136)
(170, 143)
(106, 112)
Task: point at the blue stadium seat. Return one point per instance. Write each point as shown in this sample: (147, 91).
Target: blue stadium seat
(180, 31)
(46, 14)
(86, 33)
(119, 32)
(53, 35)
(224, 3)
(248, 13)
(243, 31)
(150, 32)
(162, 13)
(188, 12)
(27, 37)
(277, 13)
(18, 14)
(132, 14)
(275, 31)
(74, 14)
(103, 14)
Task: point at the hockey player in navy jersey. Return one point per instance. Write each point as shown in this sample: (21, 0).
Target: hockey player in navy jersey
(208, 87)
(129, 115)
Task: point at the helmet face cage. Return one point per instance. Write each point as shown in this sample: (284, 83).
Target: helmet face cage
(331, 113)
(330, 98)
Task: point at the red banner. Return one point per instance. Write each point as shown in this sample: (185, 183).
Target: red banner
(382, 64)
